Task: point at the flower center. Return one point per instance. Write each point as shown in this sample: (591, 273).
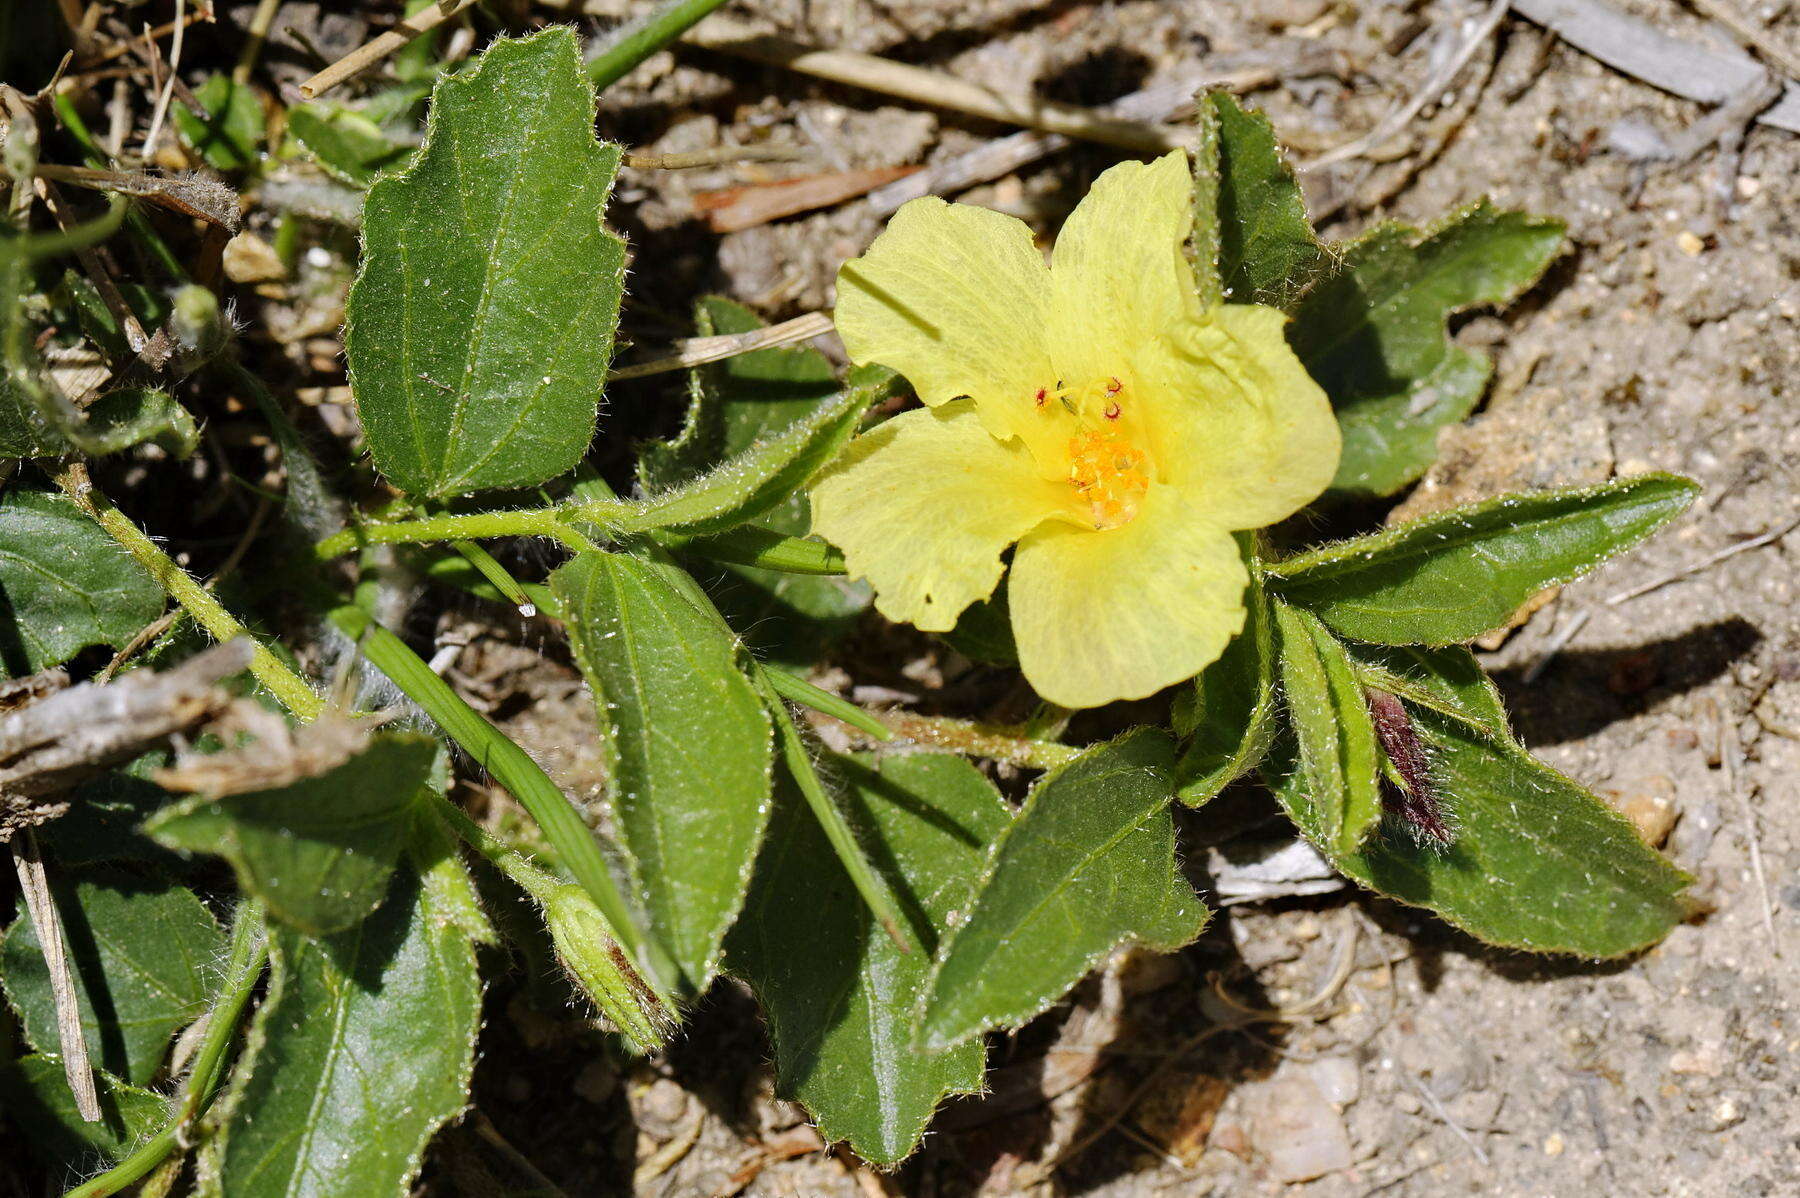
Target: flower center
(1111, 473)
(1106, 467)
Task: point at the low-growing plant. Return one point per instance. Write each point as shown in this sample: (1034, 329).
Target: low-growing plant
(1112, 487)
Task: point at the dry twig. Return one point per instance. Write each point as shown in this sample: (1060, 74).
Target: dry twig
(934, 88)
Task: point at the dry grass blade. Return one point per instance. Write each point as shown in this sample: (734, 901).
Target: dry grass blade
(372, 52)
(41, 905)
(698, 351)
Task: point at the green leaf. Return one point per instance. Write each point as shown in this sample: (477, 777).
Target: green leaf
(1088, 864)
(1228, 717)
(687, 740)
(764, 474)
(1268, 253)
(348, 145)
(481, 322)
(732, 405)
(141, 954)
(1373, 334)
(102, 823)
(231, 136)
(361, 1051)
(1330, 718)
(26, 428)
(1537, 862)
(34, 1093)
(1448, 680)
(1453, 576)
(319, 851)
(132, 416)
(64, 584)
(840, 996)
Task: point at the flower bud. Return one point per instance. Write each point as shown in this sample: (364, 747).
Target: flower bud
(589, 952)
(199, 326)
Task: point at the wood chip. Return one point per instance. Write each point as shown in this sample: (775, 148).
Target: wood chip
(736, 208)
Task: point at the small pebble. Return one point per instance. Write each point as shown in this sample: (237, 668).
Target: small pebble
(1690, 243)
(1554, 1145)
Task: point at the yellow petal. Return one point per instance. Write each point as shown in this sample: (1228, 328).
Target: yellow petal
(924, 505)
(1117, 275)
(1238, 425)
(955, 298)
(1100, 616)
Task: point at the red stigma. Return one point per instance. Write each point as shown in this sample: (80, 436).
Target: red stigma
(1112, 411)
(1041, 395)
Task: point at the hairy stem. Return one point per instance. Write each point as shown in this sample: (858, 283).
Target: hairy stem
(248, 953)
(291, 690)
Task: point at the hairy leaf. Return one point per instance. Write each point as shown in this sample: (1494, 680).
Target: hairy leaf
(1535, 861)
(688, 743)
(1448, 680)
(841, 998)
(1268, 253)
(351, 147)
(132, 416)
(361, 1051)
(1453, 576)
(1373, 334)
(141, 953)
(1228, 716)
(26, 430)
(1088, 864)
(481, 323)
(34, 1093)
(231, 136)
(732, 406)
(1330, 718)
(318, 852)
(64, 584)
(764, 474)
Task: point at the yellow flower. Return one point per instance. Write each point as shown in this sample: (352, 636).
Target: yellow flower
(1091, 411)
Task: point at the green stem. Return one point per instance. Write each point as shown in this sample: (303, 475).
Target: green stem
(510, 766)
(525, 873)
(799, 690)
(639, 40)
(80, 237)
(995, 742)
(248, 953)
(863, 875)
(530, 522)
(291, 690)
